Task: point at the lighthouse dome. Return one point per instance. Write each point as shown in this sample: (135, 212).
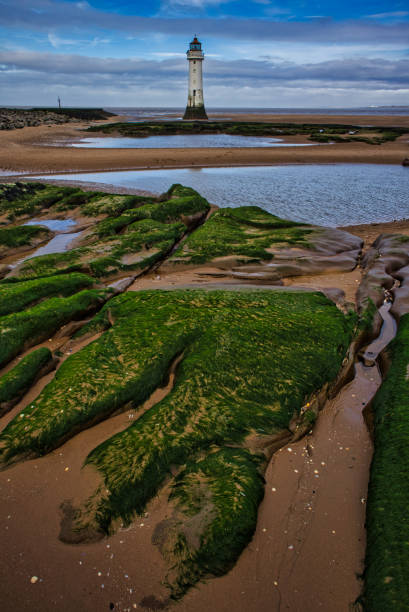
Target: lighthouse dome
(195, 45)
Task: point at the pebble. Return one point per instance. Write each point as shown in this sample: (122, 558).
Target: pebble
(274, 489)
(290, 547)
(33, 579)
(275, 583)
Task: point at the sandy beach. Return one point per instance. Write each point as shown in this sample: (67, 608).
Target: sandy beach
(33, 149)
(307, 528)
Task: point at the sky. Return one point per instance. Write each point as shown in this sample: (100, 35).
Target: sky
(258, 53)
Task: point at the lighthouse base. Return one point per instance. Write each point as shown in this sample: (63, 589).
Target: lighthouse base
(197, 113)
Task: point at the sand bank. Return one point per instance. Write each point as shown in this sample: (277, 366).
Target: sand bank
(31, 150)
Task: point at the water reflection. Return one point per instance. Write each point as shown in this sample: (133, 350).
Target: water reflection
(184, 141)
(338, 194)
(55, 225)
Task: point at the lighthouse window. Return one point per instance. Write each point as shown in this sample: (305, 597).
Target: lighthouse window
(194, 61)
(194, 92)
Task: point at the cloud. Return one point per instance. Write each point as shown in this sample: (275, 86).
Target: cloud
(193, 3)
(167, 71)
(48, 15)
(397, 14)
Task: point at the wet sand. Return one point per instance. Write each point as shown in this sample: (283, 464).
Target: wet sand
(30, 150)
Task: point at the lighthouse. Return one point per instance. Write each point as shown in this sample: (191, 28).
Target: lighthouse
(195, 104)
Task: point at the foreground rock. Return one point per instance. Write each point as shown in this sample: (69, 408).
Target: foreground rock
(386, 268)
(250, 244)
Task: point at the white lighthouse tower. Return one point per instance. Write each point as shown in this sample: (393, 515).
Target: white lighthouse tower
(195, 104)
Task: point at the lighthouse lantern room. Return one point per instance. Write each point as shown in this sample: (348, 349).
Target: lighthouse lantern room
(195, 108)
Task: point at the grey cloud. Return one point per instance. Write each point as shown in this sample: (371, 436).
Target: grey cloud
(235, 73)
(44, 15)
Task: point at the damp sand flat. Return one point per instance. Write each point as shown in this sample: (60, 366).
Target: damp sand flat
(19, 150)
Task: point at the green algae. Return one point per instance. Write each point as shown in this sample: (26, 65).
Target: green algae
(316, 132)
(249, 361)
(15, 296)
(23, 235)
(20, 330)
(247, 232)
(387, 556)
(19, 379)
(17, 199)
(216, 502)
(52, 264)
(138, 231)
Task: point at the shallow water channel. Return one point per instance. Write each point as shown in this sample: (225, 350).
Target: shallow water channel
(333, 194)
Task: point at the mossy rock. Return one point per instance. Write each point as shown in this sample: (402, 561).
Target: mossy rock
(387, 523)
(249, 360)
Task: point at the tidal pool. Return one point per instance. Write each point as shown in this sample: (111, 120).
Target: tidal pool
(55, 225)
(184, 141)
(58, 244)
(339, 194)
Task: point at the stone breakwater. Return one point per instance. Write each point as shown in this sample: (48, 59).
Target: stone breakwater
(11, 119)
(14, 118)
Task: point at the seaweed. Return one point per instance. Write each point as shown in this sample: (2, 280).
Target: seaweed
(20, 330)
(138, 232)
(23, 235)
(250, 359)
(19, 295)
(247, 231)
(19, 379)
(387, 555)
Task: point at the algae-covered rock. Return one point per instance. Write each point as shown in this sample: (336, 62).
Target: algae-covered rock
(135, 233)
(382, 265)
(251, 244)
(247, 362)
(19, 379)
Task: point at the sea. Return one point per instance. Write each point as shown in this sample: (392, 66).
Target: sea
(172, 113)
